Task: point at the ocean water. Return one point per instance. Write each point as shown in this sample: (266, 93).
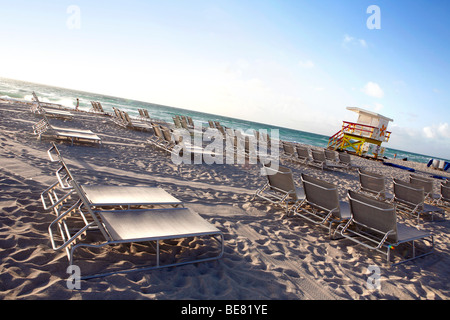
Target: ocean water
(67, 97)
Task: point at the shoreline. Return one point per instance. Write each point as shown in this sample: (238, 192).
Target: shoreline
(268, 256)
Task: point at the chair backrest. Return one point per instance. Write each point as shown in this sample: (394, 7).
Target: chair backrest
(330, 155)
(167, 135)
(372, 182)
(321, 194)
(408, 193)
(426, 183)
(344, 158)
(302, 152)
(318, 156)
(42, 126)
(184, 123)
(281, 180)
(289, 149)
(445, 191)
(374, 214)
(157, 130)
(176, 121)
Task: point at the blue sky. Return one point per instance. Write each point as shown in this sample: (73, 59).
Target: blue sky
(297, 64)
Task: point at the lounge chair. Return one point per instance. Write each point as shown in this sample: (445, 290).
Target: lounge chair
(410, 199)
(428, 187)
(143, 113)
(97, 107)
(330, 155)
(161, 140)
(303, 154)
(85, 210)
(44, 128)
(129, 226)
(320, 161)
(38, 109)
(374, 184)
(136, 124)
(289, 152)
(374, 225)
(322, 205)
(177, 121)
(345, 160)
(444, 199)
(280, 189)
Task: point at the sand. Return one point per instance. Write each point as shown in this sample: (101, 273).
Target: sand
(268, 256)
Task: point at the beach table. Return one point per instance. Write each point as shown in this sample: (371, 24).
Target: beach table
(100, 196)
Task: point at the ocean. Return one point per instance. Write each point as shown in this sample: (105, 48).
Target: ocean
(67, 97)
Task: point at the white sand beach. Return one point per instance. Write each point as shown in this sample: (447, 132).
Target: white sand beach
(268, 256)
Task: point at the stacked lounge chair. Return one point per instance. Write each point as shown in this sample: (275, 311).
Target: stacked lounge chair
(120, 215)
(123, 119)
(97, 107)
(43, 128)
(38, 109)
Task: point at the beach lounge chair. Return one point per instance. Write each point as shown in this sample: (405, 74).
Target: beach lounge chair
(410, 199)
(289, 152)
(44, 128)
(444, 199)
(330, 155)
(160, 140)
(345, 160)
(303, 154)
(374, 225)
(322, 205)
(90, 208)
(319, 160)
(129, 226)
(49, 111)
(97, 107)
(135, 124)
(280, 189)
(374, 184)
(177, 121)
(428, 187)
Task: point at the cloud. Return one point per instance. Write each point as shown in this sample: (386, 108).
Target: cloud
(352, 41)
(373, 89)
(440, 131)
(308, 64)
(363, 43)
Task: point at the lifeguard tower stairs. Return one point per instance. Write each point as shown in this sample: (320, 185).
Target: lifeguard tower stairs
(364, 137)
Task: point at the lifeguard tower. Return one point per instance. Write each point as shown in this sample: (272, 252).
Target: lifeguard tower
(364, 137)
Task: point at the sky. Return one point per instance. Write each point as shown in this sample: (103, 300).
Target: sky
(295, 64)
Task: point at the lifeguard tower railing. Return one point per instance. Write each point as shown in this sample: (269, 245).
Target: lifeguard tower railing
(358, 131)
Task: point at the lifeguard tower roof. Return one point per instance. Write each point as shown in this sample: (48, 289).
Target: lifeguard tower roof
(370, 114)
